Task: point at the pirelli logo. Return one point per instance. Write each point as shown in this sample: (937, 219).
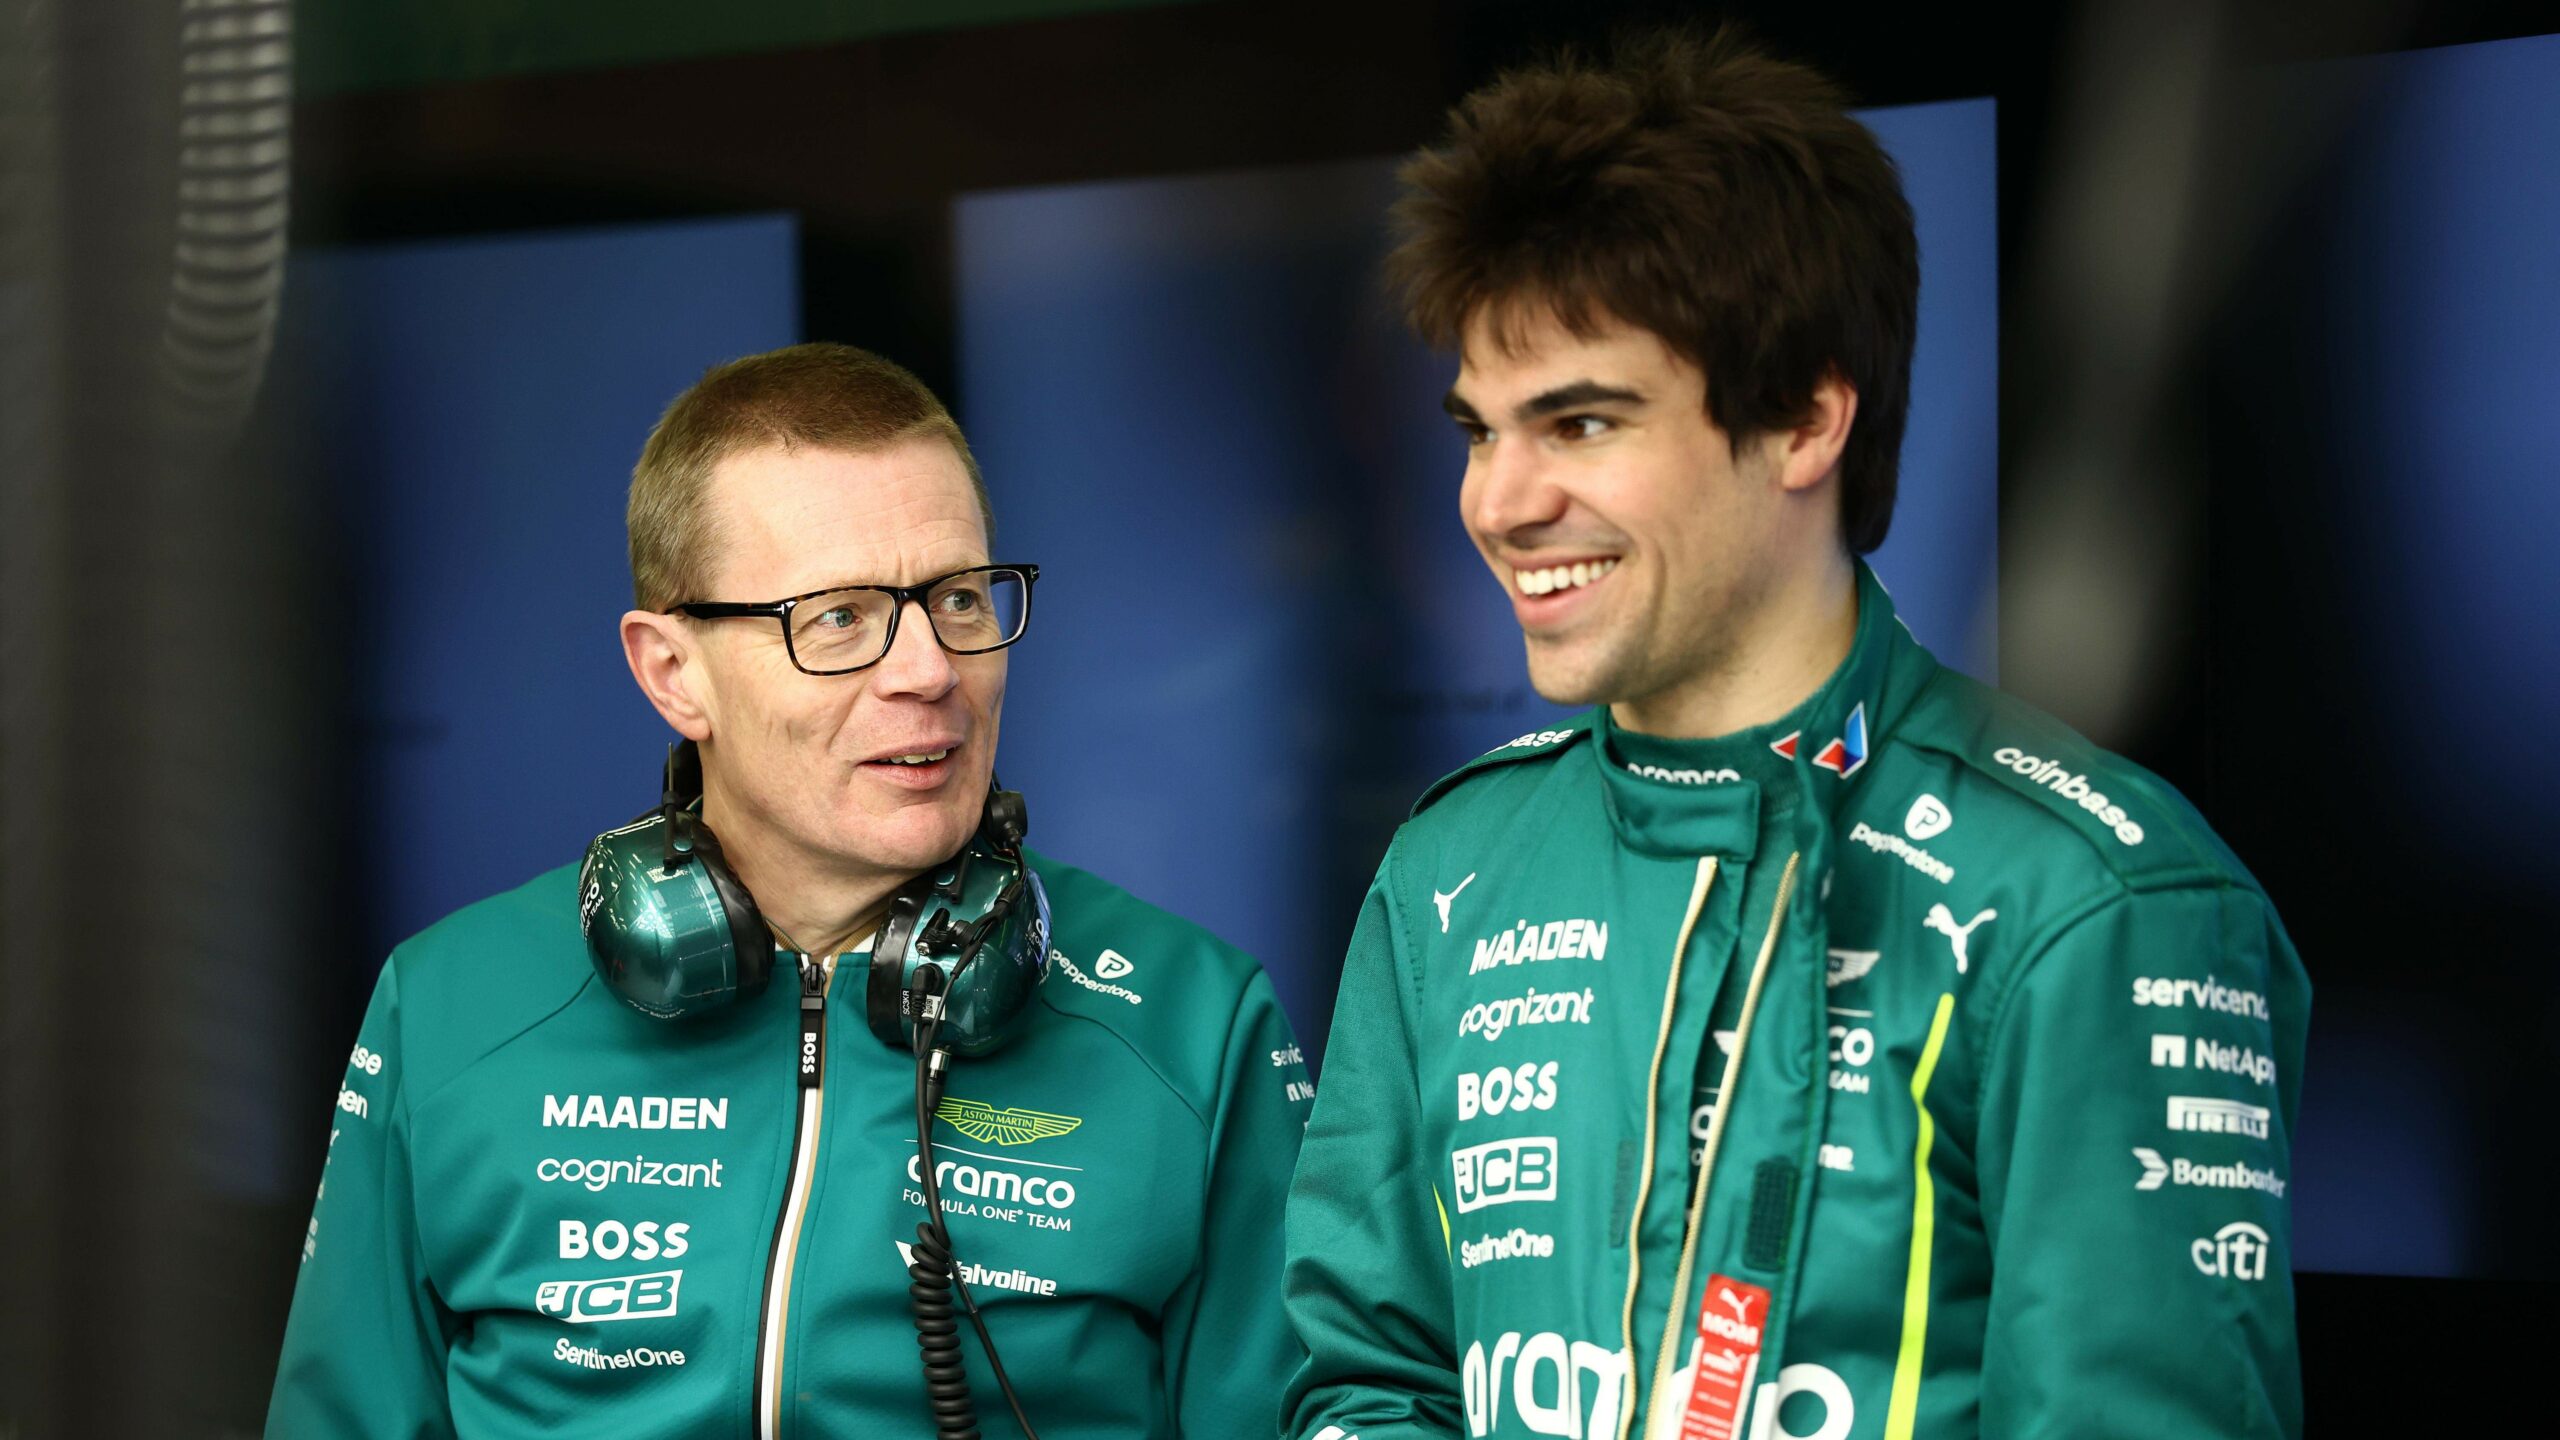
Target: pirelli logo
(2204, 1116)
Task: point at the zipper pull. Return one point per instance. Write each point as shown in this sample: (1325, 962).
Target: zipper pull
(813, 1021)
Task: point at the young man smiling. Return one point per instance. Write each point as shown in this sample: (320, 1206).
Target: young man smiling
(546, 1213)
(1805, 1041)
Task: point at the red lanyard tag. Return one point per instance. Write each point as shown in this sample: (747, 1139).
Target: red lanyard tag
(1732, 1318)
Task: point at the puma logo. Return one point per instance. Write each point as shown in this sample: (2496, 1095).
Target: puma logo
(1443, 900)
(1943, 920)
(1741, 1307)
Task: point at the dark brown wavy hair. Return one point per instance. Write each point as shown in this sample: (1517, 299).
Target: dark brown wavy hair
(1699, 188)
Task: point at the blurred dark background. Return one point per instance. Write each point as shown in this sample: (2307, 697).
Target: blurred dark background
(328, 334)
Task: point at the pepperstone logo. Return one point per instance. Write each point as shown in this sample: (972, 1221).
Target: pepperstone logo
(1059, 959)
(2217, 1117)
(2054, 776)
(1528, 941)
(1520, 1244)
(1886, 843)
(2205, 994)
(1928, 819)
(1012, 1125)
(1111, 965)
(1536, 1007)
(1559, 1387)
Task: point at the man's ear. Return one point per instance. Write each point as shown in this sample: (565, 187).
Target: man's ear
(1809, 450)
(664, 660)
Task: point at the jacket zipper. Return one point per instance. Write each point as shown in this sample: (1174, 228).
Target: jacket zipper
(815, 977)
(1652, 1115)
(1663, 1367)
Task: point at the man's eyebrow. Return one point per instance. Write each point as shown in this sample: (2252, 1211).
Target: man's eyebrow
(1459, 410)
(1574, 397)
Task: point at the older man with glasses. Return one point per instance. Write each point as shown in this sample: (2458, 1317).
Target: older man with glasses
(550, 1212)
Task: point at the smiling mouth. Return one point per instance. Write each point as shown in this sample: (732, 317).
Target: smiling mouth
(921, 757)
(1555, 579)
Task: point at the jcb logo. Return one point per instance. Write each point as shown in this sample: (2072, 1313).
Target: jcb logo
(624, 1297)
(1504, 1171)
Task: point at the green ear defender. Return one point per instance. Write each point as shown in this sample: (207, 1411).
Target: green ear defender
(674, 934)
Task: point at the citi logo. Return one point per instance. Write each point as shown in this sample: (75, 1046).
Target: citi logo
(2237, 1250)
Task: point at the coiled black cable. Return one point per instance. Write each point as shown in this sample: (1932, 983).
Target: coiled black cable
(933, 1269)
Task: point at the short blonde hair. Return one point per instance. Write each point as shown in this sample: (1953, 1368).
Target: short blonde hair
(832, 397)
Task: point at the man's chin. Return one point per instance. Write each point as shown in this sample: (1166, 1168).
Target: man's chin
(1569, 675)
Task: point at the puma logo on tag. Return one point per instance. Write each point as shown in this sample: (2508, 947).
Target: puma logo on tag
(1443, 900)
(1943, 920)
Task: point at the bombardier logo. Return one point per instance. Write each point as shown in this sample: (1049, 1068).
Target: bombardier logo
(623, 1297)
(2176, 1171)
(1537, 1007)
(2053, 776)
(1502, 1172)
(1012, 1125)
(1528, 941)
(2217, 1117)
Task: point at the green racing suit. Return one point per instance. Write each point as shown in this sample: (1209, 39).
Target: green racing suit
(1907, 1067)
(544, 1213)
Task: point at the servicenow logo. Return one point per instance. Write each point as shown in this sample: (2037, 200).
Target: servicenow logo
(2205, 994)
(2053, 775)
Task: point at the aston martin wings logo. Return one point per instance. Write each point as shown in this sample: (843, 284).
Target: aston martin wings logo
(988, 1125)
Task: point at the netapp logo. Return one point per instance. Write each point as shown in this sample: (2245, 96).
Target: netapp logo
(1519, 1089)
(2054, 777)
(1501, 1172)
(1537, 1007)
(2205, 994)
(2178, 1052)
(636, 1112)
(1558, 1387)
(1554, 940)
(624, 1297)
(2217, 1117)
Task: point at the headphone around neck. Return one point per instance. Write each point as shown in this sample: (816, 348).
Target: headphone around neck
(674, 934)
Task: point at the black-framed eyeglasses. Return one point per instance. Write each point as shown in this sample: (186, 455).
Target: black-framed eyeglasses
(845, 628)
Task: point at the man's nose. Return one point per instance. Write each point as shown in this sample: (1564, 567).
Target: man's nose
(916, 664)
(1511, 489)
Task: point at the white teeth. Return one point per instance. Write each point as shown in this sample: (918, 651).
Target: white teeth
(918, 759)
(1562, 577)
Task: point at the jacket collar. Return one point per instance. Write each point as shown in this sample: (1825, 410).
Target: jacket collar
(1707, 797)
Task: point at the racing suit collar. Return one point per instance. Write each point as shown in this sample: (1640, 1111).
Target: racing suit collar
(1705, 797)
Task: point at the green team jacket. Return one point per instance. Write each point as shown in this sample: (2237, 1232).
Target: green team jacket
(545, 1213)
(2004, 1121)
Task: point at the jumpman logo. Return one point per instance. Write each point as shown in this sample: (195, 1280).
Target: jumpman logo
(1943, 920)
(1443, 900)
